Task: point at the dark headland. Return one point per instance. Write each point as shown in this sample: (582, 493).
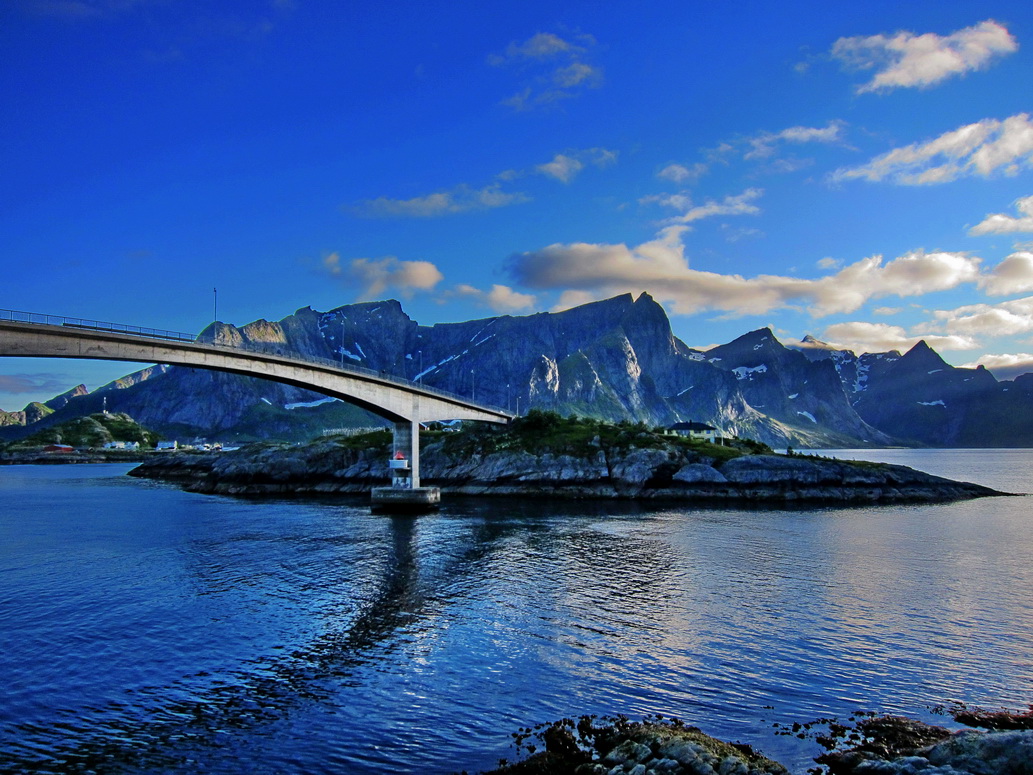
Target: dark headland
(544, 455)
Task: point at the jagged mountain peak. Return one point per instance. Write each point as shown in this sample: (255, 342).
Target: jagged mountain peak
(813, 343)
(369, 308)
(748, 349)
(60, 400)
(922, 356)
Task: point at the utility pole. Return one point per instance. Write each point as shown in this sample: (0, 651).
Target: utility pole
(342, 340)
(473, 387)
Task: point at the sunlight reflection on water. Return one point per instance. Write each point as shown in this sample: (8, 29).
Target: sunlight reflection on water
(175, 632)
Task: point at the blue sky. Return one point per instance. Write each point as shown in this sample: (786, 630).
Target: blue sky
(858, 171)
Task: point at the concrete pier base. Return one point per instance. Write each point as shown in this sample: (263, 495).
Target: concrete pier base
(404, 500)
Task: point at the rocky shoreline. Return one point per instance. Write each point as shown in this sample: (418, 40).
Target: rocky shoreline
(39, 457)
(875, 745)
(663, 473)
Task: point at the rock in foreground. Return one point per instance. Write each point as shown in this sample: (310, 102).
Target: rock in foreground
(650, 747)
(892, 745)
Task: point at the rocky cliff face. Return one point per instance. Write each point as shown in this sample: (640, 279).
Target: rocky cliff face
(615, 359)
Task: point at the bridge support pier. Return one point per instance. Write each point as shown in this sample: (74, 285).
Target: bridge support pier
(407, 442)
(410, 497)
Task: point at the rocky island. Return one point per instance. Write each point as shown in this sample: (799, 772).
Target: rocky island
(544, 455)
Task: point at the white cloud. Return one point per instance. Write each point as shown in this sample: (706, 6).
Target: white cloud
(460, 199)
(863, 337)
(557, 69)
(500, 298)
(1004, 366)
(741, 204)
(679, 173)
(909, 60)
(763, 145)
(542, 45)
(564, 167)
(1013, 275)
(1007, 318)
(982, 148)
(998, 223)
(583, 270)
(378, 275)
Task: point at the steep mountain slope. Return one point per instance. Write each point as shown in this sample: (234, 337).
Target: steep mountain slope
(922, 400)
(790, 388)
(615, 359)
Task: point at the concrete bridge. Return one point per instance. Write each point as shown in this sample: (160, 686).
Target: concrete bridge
(403, 403)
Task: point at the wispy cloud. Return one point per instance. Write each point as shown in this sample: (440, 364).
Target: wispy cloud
(1005, 365)
(738, 204)
(554, 69)
(863, 337)
(1007, 318)
(464, 198)
(908, 60)
(501, 298)
(377, 276)
(963, 328)
(32, 383)
(759, 147)
(999, 223)
(584, 270)
(763, 145)
(983, 148)
(460, 199)
(680, 173)
(564, 167)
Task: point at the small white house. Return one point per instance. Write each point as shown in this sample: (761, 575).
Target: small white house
(167, 445)
(694, 430)
(122, 445)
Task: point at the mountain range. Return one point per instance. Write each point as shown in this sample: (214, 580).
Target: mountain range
(615, 359)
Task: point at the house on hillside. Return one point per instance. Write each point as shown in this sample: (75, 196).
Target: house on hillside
(60, 449)
(697, 431)
(121, 445)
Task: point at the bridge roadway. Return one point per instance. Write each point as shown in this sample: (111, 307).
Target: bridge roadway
(403, 403)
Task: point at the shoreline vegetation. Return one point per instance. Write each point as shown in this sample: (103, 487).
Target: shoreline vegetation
(994, 743)
(542, 454)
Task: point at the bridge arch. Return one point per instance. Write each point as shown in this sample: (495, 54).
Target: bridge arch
(403, 403)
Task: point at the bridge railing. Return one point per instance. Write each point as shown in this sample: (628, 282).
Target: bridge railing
(262, 348)
(93, 325)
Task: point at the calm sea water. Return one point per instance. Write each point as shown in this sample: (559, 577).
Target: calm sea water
(145, 630)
